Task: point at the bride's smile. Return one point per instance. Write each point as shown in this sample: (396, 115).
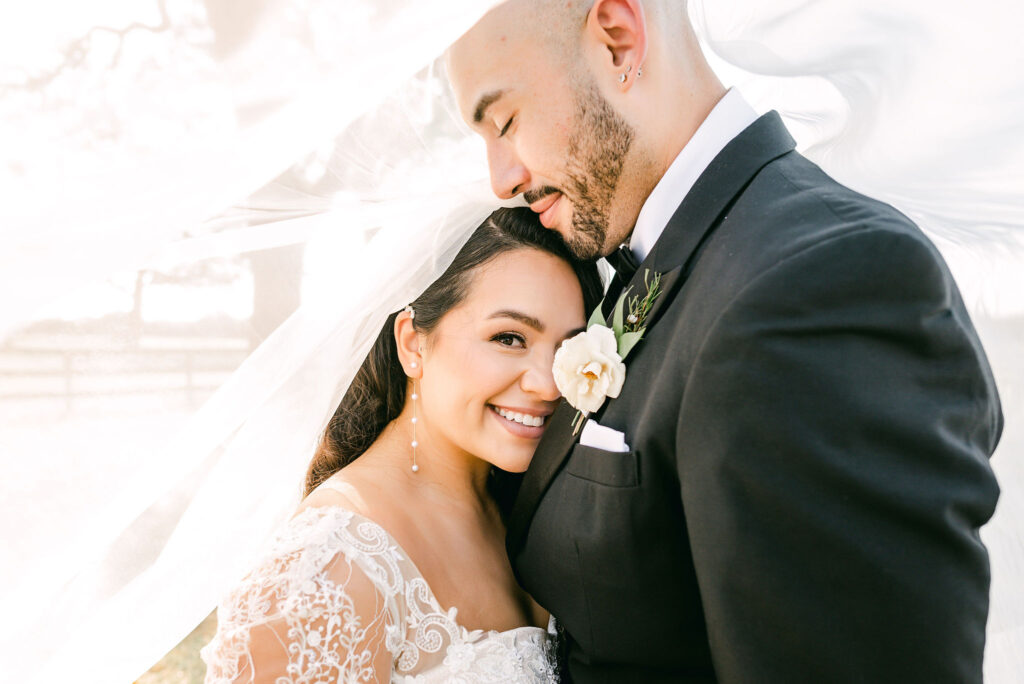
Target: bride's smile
(521, 423)
(521, 416)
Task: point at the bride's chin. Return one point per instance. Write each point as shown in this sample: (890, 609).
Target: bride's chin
(517, 466)
(511, 460)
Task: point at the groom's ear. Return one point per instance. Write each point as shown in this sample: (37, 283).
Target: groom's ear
(619, 29)
(408, 341)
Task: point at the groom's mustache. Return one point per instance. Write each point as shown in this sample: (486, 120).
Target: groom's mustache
(532, 196)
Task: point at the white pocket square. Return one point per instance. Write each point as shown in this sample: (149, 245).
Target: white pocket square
(601, 437)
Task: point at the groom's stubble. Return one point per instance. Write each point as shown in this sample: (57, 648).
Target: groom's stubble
(595, 158)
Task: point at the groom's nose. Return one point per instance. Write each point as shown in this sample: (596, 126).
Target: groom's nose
(509, 176)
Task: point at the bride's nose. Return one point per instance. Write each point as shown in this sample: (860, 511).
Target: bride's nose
(539, 380)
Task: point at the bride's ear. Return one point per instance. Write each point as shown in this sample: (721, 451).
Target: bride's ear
(408, 342)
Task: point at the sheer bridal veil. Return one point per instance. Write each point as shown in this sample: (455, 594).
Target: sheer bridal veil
(174, 152)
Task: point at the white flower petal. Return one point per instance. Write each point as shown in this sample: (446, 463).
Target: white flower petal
(587, 368)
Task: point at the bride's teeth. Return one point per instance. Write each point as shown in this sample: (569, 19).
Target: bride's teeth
(525, 419)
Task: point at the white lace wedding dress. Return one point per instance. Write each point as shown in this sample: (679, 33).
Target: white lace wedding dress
(335, 599)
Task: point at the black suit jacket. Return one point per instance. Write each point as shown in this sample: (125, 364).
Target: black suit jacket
(810, 416)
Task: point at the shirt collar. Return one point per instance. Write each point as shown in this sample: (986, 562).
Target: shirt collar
(728, 119)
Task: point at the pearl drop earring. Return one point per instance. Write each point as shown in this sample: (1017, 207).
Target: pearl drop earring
(415, 419)
(415, 397)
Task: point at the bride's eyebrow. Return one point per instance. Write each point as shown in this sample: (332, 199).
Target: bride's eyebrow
(525, 319)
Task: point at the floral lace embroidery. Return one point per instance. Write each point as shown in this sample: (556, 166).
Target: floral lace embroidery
(332, 591)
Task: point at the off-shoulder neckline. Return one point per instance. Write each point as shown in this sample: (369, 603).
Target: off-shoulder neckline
(452, 612)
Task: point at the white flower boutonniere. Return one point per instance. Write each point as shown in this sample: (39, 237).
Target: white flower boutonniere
(589, 367)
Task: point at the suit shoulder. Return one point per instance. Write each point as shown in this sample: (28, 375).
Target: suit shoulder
(802, 185)
(794, 208)
(885, 262)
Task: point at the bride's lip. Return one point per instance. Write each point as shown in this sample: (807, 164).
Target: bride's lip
(536, 412)
(518, 429)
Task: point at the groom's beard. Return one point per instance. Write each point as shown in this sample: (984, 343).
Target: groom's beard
(595, 158)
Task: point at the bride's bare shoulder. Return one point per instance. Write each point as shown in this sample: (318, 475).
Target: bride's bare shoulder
(346, 489)
(368, 492)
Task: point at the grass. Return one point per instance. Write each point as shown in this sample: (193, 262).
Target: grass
(182, 665)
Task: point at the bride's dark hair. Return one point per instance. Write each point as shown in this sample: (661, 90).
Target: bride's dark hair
(377, 393)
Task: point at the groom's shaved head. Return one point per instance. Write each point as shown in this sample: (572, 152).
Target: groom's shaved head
(560, 23)
(583, 105)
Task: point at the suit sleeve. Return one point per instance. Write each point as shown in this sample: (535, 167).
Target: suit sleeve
(833, 446)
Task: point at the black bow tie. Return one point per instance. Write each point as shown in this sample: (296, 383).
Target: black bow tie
(624, 263)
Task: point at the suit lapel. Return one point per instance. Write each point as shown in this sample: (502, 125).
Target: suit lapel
(674, 256)
(725, 178)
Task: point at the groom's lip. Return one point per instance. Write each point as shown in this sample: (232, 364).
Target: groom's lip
(545, 202)
(546, 208)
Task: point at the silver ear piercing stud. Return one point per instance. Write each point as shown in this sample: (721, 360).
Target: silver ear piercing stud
(624, 75)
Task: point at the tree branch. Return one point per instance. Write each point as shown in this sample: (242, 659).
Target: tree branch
(77, 51)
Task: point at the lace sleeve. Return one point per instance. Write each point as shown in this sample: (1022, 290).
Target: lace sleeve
(318, 608)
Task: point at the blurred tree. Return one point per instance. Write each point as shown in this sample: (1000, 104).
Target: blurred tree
(233, 22)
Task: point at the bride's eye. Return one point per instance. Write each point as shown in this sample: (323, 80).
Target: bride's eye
(510, 340)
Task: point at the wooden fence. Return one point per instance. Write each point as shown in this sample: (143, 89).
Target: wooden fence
(28, 373)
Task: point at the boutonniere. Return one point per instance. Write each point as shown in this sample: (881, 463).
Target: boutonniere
(589, 367)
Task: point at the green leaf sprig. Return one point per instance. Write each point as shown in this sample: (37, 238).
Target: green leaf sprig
(629, 328)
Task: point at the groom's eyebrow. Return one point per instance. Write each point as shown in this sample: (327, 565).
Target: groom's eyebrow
(484, 102)
(525, 319)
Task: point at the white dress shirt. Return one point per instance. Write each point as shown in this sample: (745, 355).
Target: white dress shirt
(728, 119)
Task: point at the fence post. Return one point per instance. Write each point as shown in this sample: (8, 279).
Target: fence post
(68, 358)
(189, 388)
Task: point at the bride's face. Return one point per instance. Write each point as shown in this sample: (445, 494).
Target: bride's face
(487, 387)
